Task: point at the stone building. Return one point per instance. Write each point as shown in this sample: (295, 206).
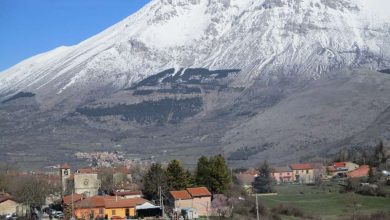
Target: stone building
(83, 181)
(86, 183)
(65, 175)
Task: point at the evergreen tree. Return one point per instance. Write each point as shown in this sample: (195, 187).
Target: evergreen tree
(219, 174)
(190, 177)
(263, 183)
(380, 156)
(176, 175)
(202, 173)
(371, 175)
(213, 173)
(155, 177)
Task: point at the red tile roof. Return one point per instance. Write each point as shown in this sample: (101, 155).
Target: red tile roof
(302, 166)
(199, 192)
(91, 202)
(339, 164)
(6, 197)
(128, 193)
(122, 169)
(123, 203)
(65, 166)
(68, 199)
(108, 202)
(182, 194)
(362, 171)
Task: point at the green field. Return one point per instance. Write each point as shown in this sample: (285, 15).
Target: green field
(324, 201)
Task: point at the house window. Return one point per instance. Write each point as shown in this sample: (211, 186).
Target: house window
(113, 212)
(101, 211)
(307, 171)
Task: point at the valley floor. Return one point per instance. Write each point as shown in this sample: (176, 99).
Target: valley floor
(325, 201)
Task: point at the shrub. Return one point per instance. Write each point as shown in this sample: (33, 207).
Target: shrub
(288, 210)
(371, 190)
(375, 216)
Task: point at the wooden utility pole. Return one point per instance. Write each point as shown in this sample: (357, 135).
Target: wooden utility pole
(72, 218)
(257, 208)
(161, 201)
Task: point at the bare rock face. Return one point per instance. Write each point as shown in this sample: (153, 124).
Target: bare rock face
(242, 77)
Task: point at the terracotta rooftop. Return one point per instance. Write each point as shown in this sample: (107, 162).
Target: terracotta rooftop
(123, 203)
(122, 169)
(5, 196)
(339, 164)
(199, 191)
(68, 199)
(65, 166)
(108, 202)
(128, 193)
(91, 202)
(362, 171)
(182, 194)
(302, 166)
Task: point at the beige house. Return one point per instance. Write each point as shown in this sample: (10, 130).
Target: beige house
(197, 199)
(9, 206)
(201, 200)
(180, 199)
(303, 173)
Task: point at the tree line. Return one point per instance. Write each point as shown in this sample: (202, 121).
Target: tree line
(212, 173)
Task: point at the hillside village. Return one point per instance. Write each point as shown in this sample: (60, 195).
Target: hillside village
(158, 191)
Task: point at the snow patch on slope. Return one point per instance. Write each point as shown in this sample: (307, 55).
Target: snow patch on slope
(186, 25)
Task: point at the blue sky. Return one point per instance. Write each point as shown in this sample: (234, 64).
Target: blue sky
(30, 27)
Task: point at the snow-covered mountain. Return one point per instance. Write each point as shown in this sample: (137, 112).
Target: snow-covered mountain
(267, 39)
(288, 79)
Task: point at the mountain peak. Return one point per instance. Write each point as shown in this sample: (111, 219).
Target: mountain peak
(267, 39)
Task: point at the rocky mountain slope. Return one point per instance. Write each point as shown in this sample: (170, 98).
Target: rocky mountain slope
(247, 78)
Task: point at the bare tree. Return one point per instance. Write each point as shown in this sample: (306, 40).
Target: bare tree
(106, 176)
(31, 190)
(222, 206)
(5, 170)
(352, 204)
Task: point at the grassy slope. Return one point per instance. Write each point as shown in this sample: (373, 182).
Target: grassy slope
(325, 201)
